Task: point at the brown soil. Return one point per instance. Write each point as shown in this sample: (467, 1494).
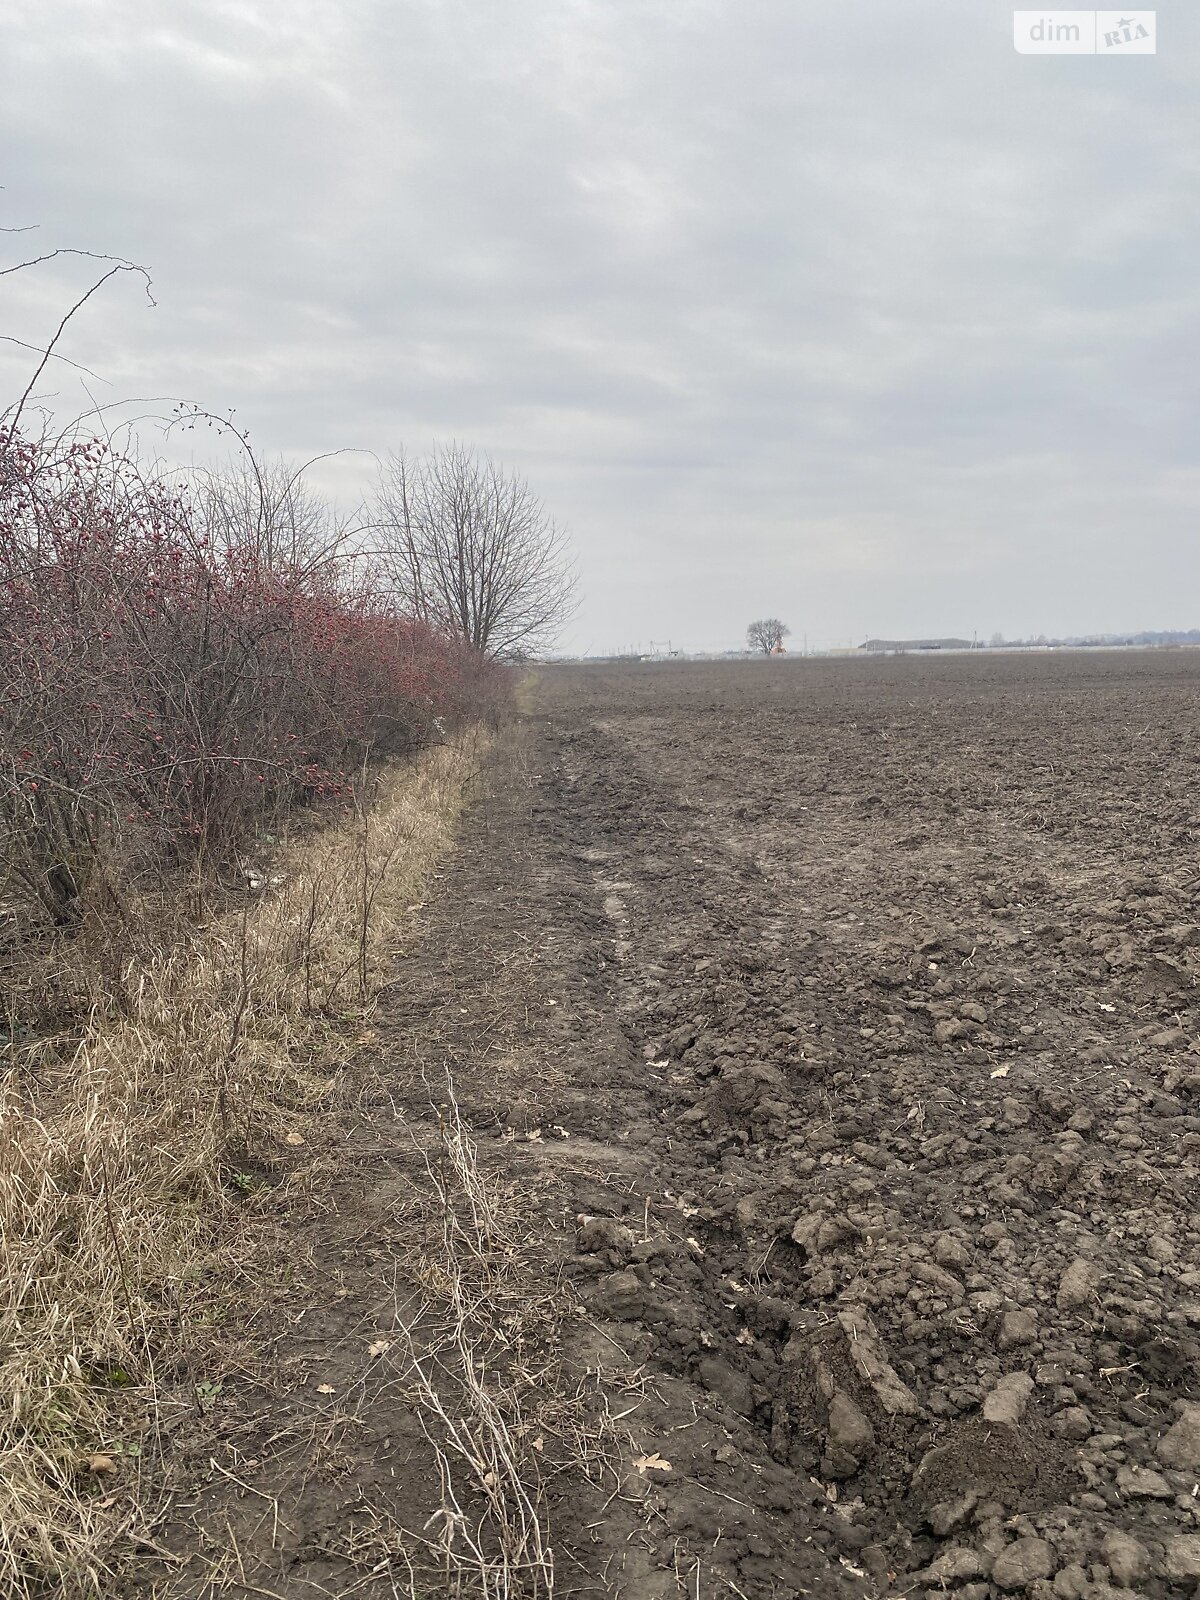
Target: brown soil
(853, 1005)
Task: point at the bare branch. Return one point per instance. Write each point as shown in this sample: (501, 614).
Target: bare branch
(122, 266)
(35, 349)
(86, 255)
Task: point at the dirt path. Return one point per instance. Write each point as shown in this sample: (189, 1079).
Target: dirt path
(829, 1030)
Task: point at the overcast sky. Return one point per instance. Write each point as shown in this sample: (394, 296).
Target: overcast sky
(847, 313)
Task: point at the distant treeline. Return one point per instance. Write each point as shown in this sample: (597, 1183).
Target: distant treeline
(1042, 642)
(1102, 640)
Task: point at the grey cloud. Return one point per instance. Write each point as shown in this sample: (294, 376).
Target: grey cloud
(851, 313)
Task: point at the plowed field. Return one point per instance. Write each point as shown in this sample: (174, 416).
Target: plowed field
(893, 992)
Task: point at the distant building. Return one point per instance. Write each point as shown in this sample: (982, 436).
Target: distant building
(898, 646)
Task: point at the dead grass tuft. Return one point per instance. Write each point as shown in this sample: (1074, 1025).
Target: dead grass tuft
(470, 1385)
(479, 1357)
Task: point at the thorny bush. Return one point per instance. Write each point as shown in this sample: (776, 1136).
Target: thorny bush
(170, 682)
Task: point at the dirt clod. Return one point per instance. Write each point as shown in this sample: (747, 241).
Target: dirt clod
(849, 1430)
(1180, 1445)
(1077, 1285)
(1128, 1559)
(1020, 1564)
(1007, 1401)
(1017, 1328)
(1181, 1556)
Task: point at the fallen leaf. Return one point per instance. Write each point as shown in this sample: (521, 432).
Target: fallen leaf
(999, 1072)
(539, 1443)
(745, 1337)
(696, 1245)
(326, 1388)
(1103, 1007)
(101, 1464)
(295, 1138)
(654, 1463)
(379, 1347)
(534, 1136)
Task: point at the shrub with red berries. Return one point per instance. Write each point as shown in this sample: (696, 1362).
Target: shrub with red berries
(164, 693)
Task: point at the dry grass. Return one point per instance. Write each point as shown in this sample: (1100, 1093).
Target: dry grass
(479, 1356)
(469, 1384)
(125, 1166)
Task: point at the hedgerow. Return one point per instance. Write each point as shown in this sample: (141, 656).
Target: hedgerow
(172, 681)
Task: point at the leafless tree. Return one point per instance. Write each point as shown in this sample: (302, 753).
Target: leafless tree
(270, 509)
(468, 547)
(767, 634)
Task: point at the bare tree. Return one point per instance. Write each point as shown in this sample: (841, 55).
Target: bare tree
(468, 547)
(767, 635)
(270, 510)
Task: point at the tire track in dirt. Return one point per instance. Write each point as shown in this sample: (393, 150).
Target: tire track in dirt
(312, 1472)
